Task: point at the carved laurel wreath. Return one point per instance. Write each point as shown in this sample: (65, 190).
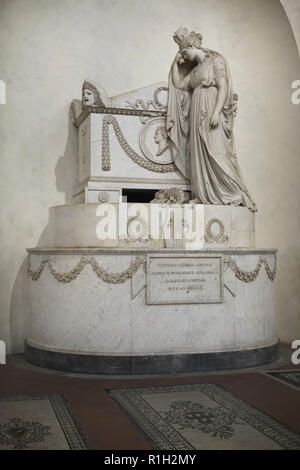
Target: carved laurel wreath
(219, 237)
(143, 225)
(143, 162)
(121, 277)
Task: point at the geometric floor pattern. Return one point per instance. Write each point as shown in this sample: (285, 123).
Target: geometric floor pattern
(290, 376)
(201, 416)
(253, 408)
(39, 423)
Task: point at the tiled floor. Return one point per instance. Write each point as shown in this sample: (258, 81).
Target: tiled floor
(108, 428)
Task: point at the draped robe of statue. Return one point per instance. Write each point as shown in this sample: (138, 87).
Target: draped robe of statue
(204, 155)
(177, 125)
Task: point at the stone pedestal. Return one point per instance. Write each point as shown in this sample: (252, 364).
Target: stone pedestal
(215, 226)
(89, 313)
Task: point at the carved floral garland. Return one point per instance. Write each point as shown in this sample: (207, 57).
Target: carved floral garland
(123, 276)
(249, 276)
(112, 278)
(143, 162)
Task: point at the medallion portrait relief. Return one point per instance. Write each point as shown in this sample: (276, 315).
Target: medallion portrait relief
(154, 141)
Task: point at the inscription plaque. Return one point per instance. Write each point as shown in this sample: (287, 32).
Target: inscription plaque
(184, 279)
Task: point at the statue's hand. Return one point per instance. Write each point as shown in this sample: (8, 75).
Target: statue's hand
(214, 122)
(178, 58)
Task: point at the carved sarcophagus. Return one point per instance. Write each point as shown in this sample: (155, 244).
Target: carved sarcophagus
(123, 145)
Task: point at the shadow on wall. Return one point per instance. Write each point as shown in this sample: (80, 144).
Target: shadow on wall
(66, 172)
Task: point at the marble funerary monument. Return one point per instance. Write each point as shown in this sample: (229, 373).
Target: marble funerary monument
(154, 268)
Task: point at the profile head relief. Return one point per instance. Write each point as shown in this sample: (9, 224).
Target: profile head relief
(161, 139)
(160, 134)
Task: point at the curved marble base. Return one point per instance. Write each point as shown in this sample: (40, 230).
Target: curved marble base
(154, 364)
(85, 324)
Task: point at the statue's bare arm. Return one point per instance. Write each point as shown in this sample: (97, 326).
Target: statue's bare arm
(222, 92)
(177, 80)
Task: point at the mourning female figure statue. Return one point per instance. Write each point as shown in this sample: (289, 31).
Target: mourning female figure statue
(199, 125)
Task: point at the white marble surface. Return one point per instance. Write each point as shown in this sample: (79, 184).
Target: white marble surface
(91, 316)
(145, 94)
(76, 225)
(122, 167)
(149, 97)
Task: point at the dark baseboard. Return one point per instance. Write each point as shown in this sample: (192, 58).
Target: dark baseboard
(152, 364)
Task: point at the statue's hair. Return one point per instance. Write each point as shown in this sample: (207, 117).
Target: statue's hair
(191, 40)
(183, 29)
(89, 86)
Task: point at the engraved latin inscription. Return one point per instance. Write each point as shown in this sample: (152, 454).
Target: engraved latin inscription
(172, 280)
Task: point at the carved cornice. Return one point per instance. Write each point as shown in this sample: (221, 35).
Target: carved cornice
(130, 251)
(123, 111)
(116, 179)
